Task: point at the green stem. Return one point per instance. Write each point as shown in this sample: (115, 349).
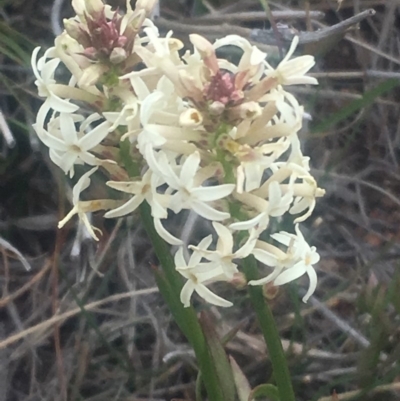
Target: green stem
(186, 318)
(270, 333)
(170, 285)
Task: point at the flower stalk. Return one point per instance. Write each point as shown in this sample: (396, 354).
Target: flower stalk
(270, 333)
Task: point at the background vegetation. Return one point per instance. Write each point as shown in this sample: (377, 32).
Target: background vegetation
(86, 321)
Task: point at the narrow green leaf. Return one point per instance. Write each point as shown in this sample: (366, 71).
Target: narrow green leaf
(219, 357)
(265, 390)
(16, 46)
(270, 332)
(367, 99)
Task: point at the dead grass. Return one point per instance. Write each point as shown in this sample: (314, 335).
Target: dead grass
(86, 321)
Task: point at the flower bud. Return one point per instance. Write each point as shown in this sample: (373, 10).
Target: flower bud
(245, 111)
(73, 28)
(146, 5)
(238, 281)
(206, 50)
(190, 118)
(216, 108)
(270, 291)
(118, 55)
(94, 7)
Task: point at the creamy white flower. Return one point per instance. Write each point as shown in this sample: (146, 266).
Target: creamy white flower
(44, 73)
(198, 275)
(292, 72)
(144, 189)
(271, 256)
(289, 109)
(277, 204)
(188, 195)
(223, 255)
(69, 146)
(82, 207)
(251, 60)
(159, 117)
(131, 102)
(301, 258)
(306, 194)
(161, 55)
(254, 161)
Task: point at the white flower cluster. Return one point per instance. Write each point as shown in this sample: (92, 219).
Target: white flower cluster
(208, 135)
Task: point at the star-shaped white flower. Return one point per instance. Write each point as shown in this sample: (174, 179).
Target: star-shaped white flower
(254, 161)
(223, 255)
(292, 72)
(300, 258)
(278, 203)
(44, 73)
(306, 194)
(188, 194)
(81, 208)
(198, 275)
(145, 189)
(69, 146)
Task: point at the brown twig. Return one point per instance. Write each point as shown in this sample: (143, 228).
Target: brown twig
(288, 33)
(4, 301)
(253, 16)
(351, 394)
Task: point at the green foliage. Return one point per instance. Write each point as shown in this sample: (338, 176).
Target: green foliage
(14, 45)
(265, 390)
(367, 99)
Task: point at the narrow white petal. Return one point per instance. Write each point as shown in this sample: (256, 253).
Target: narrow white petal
(61, 105)
(291, 274)
(248, 246)
(292, 48)
(126, 208)
(164, 234)
(179, 259)
(49, 140)
(312, 275)
(225, 239)
(267, 279)
(265, 257)
(283, 237)
(34, 63)
(130, 187)
(210, 297)
(88, 226)
(207, 194)
(248, 224)
(82, 184)
(186, 293)
(95, 136)
(67, 162)
(68, 131)
(208, 212)
(189, 169)
(48, 69)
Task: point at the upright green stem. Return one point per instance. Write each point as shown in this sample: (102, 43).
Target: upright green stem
(270, 333)
(185, 317)
(170, 285)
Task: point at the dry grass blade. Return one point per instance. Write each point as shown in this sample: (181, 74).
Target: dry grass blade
(62, 317)
(6, 245)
